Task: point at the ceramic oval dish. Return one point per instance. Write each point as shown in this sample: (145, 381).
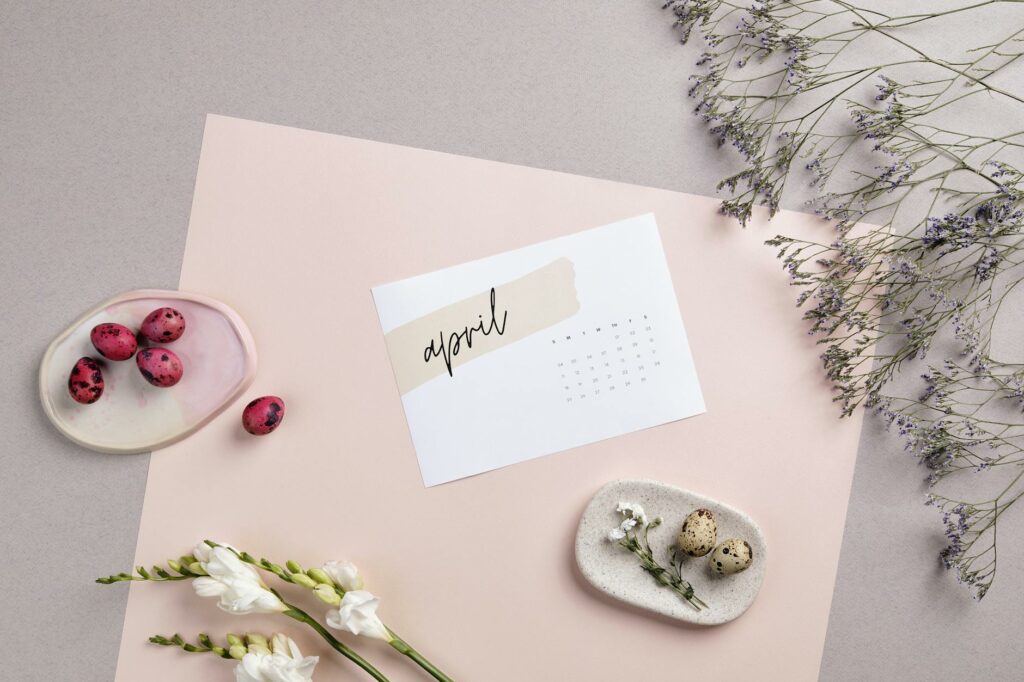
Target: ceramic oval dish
(616, 571)
(219, 358)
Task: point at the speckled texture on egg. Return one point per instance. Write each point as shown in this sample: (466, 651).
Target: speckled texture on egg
(85, 384)
(159, 366)
(163, 325)
(699, 533)
(113, 341)
(263, 415)
(732, 556)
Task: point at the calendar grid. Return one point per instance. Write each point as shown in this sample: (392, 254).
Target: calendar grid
(607, 358)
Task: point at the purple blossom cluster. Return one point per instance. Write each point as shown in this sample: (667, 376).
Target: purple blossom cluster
(957, 527)
(895, 174)
(691, 14)
(878, 125)
(965, 524)
(952, 231)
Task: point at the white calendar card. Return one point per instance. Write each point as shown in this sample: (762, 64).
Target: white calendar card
(538, 350)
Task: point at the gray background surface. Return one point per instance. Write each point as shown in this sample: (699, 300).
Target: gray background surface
(101, 117)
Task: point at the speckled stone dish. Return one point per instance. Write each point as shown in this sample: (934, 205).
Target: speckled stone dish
(219, 358)
(616, 572)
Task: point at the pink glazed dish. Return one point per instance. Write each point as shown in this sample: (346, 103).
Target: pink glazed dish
(132, 416)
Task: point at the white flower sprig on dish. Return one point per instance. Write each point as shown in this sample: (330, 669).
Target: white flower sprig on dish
(631, 534)
(231, 576)
(278, 660)
(633, 514)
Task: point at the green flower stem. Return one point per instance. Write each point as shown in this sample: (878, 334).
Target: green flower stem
(204, 646)
(157, 574)
(298, 614)
(406, 649)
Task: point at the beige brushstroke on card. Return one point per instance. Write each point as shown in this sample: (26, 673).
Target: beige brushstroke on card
(439, 343)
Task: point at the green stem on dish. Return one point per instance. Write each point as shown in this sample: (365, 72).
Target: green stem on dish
(641, 547)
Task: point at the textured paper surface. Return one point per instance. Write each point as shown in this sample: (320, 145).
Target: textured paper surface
(479, 573)
(592, 347)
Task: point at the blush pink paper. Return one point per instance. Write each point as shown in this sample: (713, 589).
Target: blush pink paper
(292, 228)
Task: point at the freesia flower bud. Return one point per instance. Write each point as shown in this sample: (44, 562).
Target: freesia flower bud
(235, 640)
(237, 651)
(281, 644)
(258, 644)
(174, 565)
(255, 638)
(327, 594)
(319, 576)
(304, 580)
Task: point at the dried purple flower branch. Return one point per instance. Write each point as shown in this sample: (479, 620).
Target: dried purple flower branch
(939, 247)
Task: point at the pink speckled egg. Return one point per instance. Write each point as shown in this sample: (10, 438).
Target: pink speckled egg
(263, 415)
(159, 366)
(163, 325)
(86, 381)
(114, 341)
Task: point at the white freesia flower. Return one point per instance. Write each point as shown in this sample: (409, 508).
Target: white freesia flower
(345, 574)
(284, 664)
(236, 584)
(358, 614)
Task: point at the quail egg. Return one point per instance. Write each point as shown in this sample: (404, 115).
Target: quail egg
(699, 533)
(732, 556)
